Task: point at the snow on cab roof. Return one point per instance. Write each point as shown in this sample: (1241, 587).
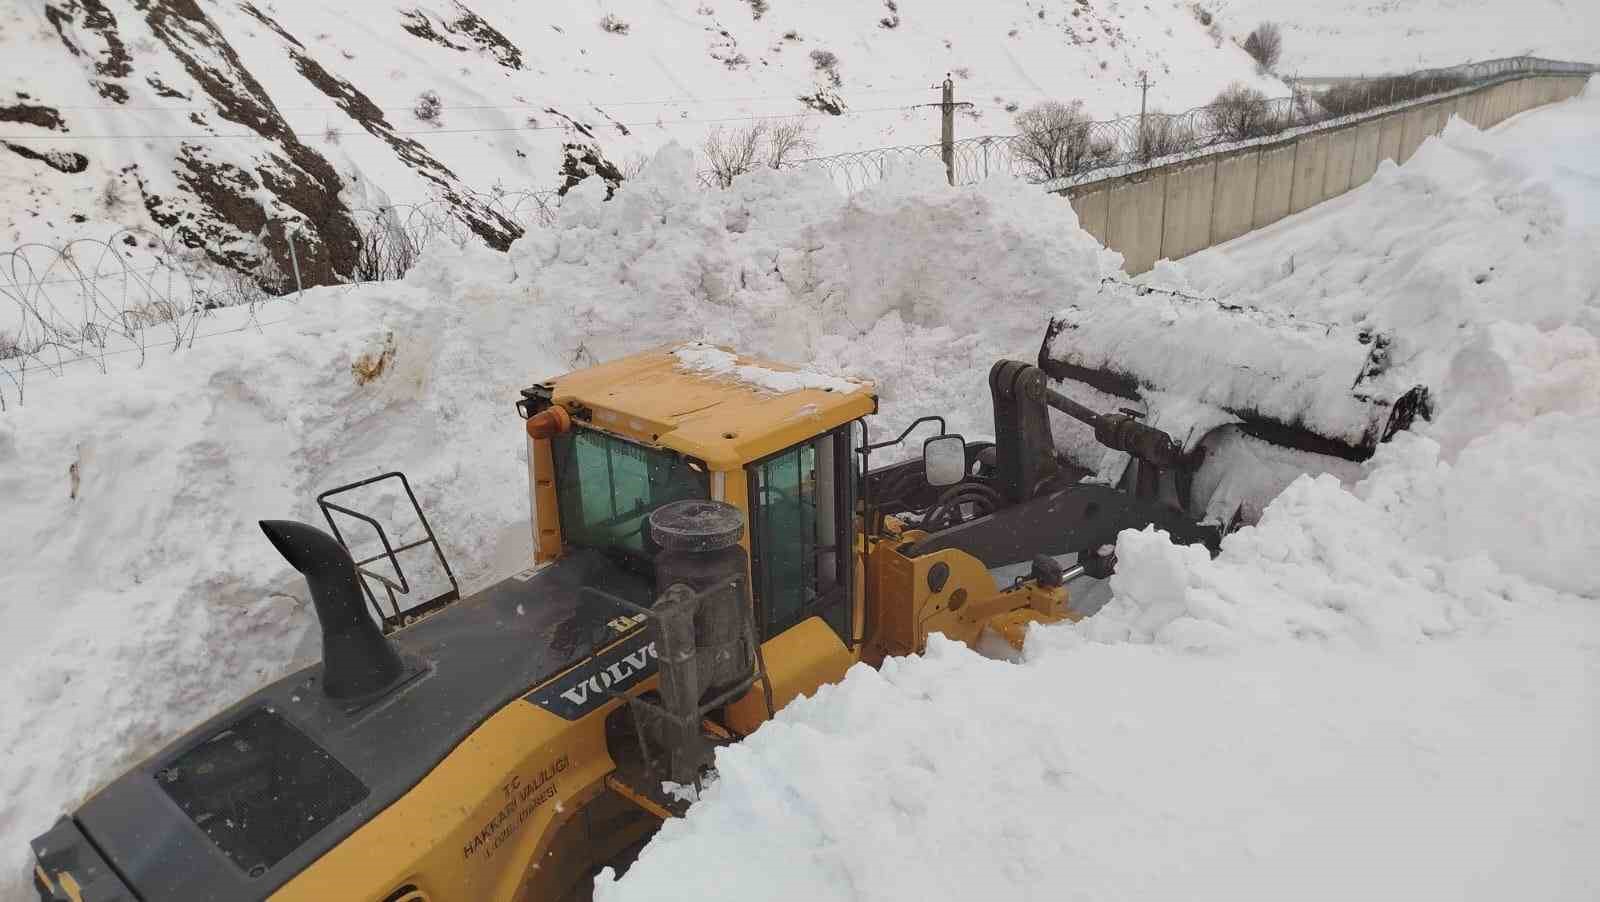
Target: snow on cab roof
(711, 403)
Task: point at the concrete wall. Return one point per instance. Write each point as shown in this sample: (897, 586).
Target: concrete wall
(1091, 210)
(1341, 159)
(1364, 160)
(1233, 202)
(1274, 183)
(1177, 210)
(1186, 227)
(1134, 221)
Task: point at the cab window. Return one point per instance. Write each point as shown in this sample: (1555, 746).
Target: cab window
(606, 488)
(800, 502)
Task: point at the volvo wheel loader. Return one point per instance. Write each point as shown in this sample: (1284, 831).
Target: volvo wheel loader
(708, 545)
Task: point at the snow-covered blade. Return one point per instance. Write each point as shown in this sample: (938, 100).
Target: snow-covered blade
(1293, 382)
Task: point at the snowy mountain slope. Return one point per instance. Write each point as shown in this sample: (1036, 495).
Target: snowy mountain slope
(218, 116)
(1384, 690)
(1351, 37)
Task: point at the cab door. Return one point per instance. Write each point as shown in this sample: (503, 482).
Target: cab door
(801, 545)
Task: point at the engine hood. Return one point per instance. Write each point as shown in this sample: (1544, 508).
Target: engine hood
(254, 795)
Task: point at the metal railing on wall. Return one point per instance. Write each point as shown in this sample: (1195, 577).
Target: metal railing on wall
(1073, 150)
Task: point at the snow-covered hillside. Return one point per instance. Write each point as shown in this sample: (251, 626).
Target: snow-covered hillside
(222, 118)
(1351, 37)
(229, 125)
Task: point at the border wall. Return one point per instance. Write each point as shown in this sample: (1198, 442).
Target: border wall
(1172, 211)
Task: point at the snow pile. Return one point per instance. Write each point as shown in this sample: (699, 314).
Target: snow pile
(140, 597)
(1311, 375)
(917, 290)
(1380, 691)
(709, 360)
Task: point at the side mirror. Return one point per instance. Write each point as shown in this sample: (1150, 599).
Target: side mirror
(944, 460)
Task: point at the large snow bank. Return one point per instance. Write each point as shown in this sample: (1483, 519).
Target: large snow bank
(1385, 691)
(138, 594)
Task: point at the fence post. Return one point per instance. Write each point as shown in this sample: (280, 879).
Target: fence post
(947, 129)
(1141, 143)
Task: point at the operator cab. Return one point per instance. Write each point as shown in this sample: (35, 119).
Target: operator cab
(610, 444)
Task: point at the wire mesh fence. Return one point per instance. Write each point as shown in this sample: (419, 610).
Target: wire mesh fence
(1068, 149)
(94, 301)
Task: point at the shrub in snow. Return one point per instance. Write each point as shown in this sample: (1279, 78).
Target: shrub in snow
(1265, 46)
(1161, 135)
(825, 61)
(758, 8)
(111, 196)
(892, 20)
(734, 153)
(1241, 112)
(1052, 140)
(613, 25)
(428, 107)
(824, 101)
(1357, 97)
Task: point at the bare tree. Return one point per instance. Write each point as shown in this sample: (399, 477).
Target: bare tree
(736, 152)
(1161, 135)
(1265, 45)
(633, 165)
(1053, 139)
(788, 140)
(733, 153)
(1241, 112)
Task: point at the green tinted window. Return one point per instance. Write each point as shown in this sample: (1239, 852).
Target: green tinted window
(606, 487)
(801, 502)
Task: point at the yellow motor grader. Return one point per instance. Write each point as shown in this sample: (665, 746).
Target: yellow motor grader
(709, 543)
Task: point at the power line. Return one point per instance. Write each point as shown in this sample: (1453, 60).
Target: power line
(668, 101)
(445, 131)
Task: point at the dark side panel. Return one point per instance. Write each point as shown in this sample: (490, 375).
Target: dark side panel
(339, 768)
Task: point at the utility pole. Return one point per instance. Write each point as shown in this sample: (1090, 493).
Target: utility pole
(947, 126)
(947, 129)
(1144, 93)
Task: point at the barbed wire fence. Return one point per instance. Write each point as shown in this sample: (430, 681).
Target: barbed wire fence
(137, 291)
(1080, 150)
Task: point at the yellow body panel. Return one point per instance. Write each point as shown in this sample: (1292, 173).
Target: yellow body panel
(799, 659)
(907, 609)
(1012, 626)
(475, 824)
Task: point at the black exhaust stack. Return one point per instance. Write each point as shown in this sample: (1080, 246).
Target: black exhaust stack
(357, 661)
